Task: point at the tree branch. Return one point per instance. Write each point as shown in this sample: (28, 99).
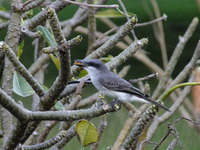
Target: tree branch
(101, 51)
(12, 39)
(136, 131)
(21, 69)
(46, 144)
(91, 5)
(175, 57)
(10, 104)
(65, 61)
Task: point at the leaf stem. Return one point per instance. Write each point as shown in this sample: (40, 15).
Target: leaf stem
(167, 93)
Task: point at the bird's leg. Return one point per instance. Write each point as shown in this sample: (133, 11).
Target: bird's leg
(116, 104)
(100, 100)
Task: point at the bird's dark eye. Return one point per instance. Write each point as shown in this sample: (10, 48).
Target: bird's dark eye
(92, 64)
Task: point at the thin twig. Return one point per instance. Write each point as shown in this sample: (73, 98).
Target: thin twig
(4, 25)
(183, 118)
(127, 16)
(102, 126)
(154, 126)
(164, 17)
(91, 5)
(160, 33)
(145, 141)
(27, 2)
(153, 75)
(164, 138)
(46, 144)
(171, 128)
(174, 58)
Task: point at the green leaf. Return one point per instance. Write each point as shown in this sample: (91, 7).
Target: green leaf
(44, 87)
(86, 132)
(111, 13)
(47, 35)
(107, 59)
(50, 39)
(59, 106)
(82, 73)
(29, 13)
(55, 60)
(2, 8)
(20, 49)
(21, 86)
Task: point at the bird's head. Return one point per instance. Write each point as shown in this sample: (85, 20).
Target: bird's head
(93, 66)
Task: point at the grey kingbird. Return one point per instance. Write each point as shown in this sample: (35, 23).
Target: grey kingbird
(110, 84)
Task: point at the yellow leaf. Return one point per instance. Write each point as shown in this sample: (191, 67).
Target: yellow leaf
(55, 60)
(86, 132)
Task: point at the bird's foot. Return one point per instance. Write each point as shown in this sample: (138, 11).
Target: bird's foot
(116, 104)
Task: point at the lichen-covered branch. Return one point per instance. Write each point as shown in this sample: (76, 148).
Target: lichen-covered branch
(46, 144)
(101, 51)
(31, 4)
(65, 62)
(15, 136)
(10, 104)
(127, 53)
(91, 28)
(68, 45)
(127, 126)
(12, 39)
(21, 69)
(136, 131)
(69, 115)
(42, 16)
(70, 134)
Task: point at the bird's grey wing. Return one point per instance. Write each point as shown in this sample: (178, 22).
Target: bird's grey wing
(120, 85)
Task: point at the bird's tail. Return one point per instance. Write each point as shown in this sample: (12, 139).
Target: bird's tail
(156, 103)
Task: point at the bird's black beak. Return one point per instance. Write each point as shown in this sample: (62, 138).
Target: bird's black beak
(80, 63)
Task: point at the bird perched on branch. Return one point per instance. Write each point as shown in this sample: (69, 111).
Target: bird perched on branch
(110, 84)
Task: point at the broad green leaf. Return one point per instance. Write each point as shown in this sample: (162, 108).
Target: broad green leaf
(86, 132)
(20, 49)
(49, 38)
(21, 86)
(47, 35)
(59, 106)
(111, 13)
